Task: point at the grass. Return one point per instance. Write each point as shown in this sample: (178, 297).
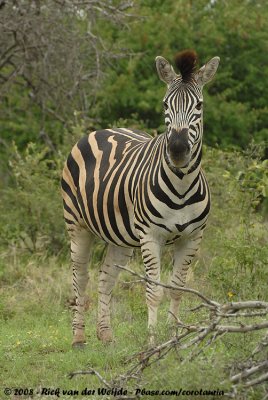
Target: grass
(36, 336)
(35, 329)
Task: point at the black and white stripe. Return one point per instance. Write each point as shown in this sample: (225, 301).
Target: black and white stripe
(132, 190)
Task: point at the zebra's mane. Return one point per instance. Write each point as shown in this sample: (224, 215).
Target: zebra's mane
(186, 62)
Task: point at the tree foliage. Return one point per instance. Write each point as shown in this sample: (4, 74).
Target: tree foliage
(235, 103)
(55, 55)
(30, 208)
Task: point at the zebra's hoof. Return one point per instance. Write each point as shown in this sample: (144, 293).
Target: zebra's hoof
(152, 339)
(79, 345)
(105, 336)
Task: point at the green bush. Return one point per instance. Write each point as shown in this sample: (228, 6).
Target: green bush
(255, 179)
(235, 249)
(31, 209)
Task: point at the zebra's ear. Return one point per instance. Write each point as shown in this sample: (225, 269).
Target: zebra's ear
(207, 72)
(165, 71)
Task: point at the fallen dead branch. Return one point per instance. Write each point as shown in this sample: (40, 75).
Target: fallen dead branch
(91, 371)
(208, 302)
(196, 338)
(248, 372)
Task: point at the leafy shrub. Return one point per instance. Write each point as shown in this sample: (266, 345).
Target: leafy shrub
(30, 211)
(255, 179)
(238, 268)
(235, 249)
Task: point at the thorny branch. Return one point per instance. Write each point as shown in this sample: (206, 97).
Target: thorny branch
(199, 336)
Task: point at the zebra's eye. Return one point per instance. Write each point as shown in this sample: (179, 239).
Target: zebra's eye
(199, 106)
(165, 105)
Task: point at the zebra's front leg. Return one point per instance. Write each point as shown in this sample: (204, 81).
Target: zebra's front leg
(108, 275)
(184, 253)
(151, 255)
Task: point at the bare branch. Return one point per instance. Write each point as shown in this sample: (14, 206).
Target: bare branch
(35, 39)
(242, 328)
(172, 287)
(245, 304)
(248, 372)
(257, 381)
(91, 371)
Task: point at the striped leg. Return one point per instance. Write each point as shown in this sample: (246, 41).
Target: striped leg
(151, 252)
(81, 242)
(184, 253)
(108, 275)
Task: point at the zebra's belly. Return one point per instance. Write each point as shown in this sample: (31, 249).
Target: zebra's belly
(113, 224)
(111, 215)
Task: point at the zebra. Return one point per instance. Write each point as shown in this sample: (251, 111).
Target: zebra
(137, 191)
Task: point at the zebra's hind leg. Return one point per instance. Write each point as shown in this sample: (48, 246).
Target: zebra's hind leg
(184, 253)
(108, 274)
(81, 243)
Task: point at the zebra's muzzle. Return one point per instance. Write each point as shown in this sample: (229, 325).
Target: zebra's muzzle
(178, 148)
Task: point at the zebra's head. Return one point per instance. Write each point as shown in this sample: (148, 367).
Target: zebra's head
(183, 104)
